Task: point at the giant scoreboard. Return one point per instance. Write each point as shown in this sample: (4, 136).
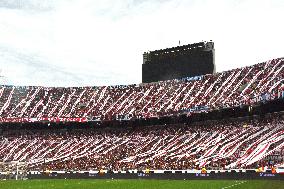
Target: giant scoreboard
(178, 62)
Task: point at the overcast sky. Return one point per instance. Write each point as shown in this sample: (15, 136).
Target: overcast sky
(101, 42)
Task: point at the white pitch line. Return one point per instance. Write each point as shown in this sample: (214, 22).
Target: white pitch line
(242, 182)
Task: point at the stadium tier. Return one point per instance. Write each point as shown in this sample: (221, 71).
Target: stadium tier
(263, 81)
(216, 145)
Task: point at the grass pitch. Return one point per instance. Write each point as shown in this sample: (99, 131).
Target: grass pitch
(140, 184)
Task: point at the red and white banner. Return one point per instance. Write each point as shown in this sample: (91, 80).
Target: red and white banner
(47, 119)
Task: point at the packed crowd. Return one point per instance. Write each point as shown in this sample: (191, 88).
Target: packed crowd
(226, 144)
(225, 89)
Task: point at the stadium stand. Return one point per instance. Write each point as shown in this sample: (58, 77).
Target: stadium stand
(217, 144)
(225, 144)
(221, 90)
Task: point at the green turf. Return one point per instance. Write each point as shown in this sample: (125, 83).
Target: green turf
(140, 184)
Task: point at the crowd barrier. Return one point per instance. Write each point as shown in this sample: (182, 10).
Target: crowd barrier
(237, 174)
(166, 175)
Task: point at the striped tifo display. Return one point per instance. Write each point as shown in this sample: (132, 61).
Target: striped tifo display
(221, 90)
(226, 144)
